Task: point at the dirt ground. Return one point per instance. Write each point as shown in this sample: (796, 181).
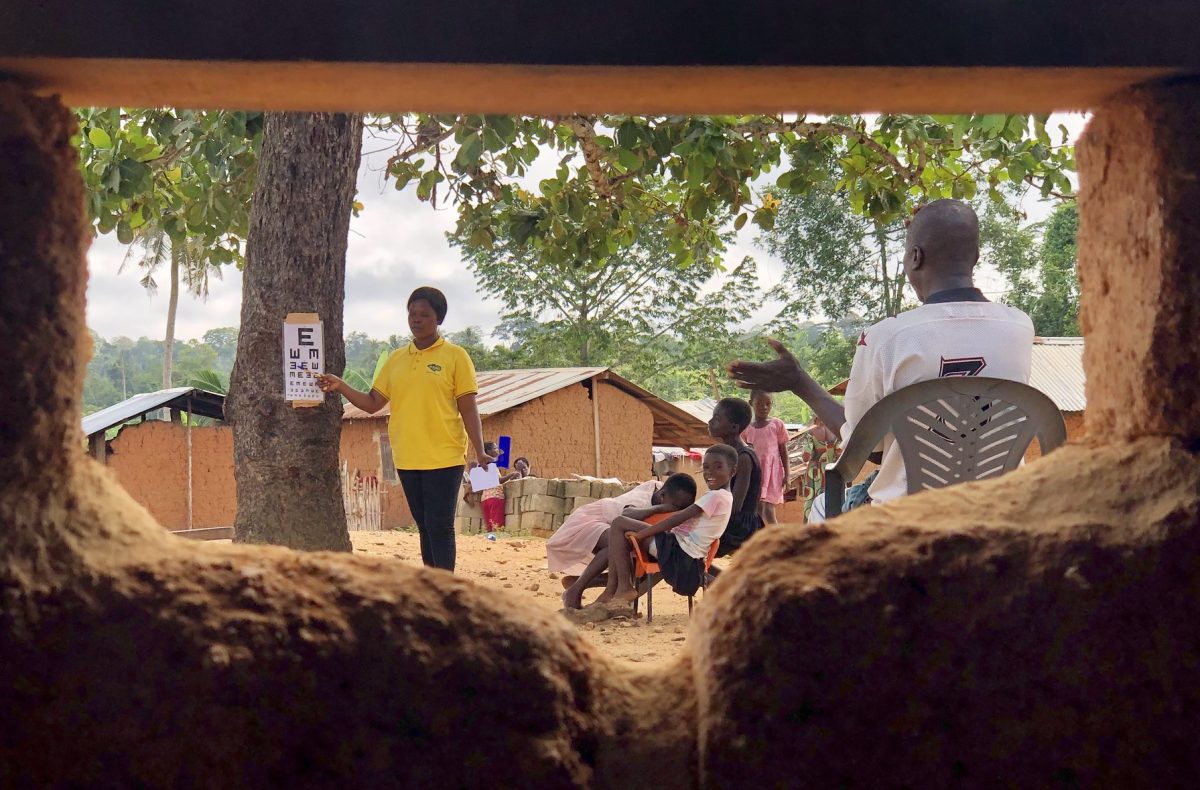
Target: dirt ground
(516, 567)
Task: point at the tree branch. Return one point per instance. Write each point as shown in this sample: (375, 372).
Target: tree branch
(424, 141)
(810, 130)
(584, 129)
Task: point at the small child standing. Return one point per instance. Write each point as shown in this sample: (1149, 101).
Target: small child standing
(679, 542)
(730, 418)
(491, 500)
(768, 436)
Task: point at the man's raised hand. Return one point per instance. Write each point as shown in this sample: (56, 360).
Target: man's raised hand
(778, 375)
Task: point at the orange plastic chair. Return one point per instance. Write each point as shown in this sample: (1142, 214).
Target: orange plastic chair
(645, 569)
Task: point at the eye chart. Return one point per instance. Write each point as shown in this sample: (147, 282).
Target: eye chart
(303, 359)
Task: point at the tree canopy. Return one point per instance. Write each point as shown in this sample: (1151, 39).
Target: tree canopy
(685, 177)
(1039, 263)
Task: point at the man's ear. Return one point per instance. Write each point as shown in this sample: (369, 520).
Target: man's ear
(917, 256)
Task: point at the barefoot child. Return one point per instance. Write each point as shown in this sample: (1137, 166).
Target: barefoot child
(680, 542)
(730, 418)
(768, 436)
(582, 540)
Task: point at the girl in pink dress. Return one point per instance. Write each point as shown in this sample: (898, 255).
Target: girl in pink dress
(768, 436)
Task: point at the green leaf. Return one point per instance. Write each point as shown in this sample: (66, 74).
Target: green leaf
(470, 151)
(99, 137)
(627, 135)
(628, 159)
(740, 222)
(764, 219)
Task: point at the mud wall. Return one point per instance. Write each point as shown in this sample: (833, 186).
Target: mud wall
(150, 460)
(556, 433)
(1076, 423)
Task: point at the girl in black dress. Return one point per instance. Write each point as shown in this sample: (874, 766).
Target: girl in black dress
(730, 418)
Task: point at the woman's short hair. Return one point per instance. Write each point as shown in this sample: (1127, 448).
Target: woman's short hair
(435, 298)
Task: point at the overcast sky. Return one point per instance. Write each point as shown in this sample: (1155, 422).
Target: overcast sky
(396, 244)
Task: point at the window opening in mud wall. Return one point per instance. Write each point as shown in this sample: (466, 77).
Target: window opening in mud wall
(386, 462)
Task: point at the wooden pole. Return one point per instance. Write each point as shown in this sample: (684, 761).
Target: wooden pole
(97, 446)
(189, 462)
(596, 419)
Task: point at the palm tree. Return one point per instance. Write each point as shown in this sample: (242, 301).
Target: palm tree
(209, 381)
(189, 259)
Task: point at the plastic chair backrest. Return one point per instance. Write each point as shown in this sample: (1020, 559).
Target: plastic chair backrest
(712, 554)
(950, 430)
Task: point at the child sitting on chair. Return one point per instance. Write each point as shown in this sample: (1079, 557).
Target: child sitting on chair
(679, 542)
(582, 540)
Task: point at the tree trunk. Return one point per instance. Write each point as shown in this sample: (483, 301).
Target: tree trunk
(885, 278)
(585, 334)
(172, 306)
(286, 459)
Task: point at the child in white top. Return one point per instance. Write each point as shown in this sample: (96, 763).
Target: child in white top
(680, 542)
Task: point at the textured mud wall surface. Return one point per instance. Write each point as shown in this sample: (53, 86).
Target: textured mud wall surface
(555, 432)
(169, 663)
(1038, 629)
(1139, 250)
(1076, 423)
(150, 461)
(626, 435)
(1033, 630)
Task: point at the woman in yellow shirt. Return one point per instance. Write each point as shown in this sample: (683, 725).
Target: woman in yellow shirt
(431, 387)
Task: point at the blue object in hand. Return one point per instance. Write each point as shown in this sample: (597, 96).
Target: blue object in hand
(505, 445)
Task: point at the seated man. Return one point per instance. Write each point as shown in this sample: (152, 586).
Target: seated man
(955, 332)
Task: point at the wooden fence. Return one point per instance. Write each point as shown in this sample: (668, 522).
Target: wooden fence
(362, 498)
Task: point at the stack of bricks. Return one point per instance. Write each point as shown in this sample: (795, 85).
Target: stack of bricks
(537, 506)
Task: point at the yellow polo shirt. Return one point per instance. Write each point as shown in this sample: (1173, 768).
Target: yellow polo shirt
(423, 387)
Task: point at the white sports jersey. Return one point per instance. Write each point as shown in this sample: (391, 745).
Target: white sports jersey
(939, 338)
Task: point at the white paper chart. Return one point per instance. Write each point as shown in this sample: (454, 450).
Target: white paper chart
(483, 479)
(303, 358)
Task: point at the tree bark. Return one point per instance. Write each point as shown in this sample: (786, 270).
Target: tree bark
(172, 307)
(286, 459)
(889, 309)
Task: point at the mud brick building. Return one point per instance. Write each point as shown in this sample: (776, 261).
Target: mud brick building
(567, 421)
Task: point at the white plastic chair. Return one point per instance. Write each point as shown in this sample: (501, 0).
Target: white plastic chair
(950, 430)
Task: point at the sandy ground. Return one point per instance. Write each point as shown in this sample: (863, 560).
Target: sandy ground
(517, 567)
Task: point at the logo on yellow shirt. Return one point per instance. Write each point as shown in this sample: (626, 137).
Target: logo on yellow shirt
(435, 367)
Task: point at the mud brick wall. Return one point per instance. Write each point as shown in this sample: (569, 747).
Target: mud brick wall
(556, 433)
(537, 506)
(150, 460)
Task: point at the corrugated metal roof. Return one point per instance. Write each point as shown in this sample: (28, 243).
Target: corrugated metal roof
(1057, 370)
(700, 409)
(204, 404)
(500, 390)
